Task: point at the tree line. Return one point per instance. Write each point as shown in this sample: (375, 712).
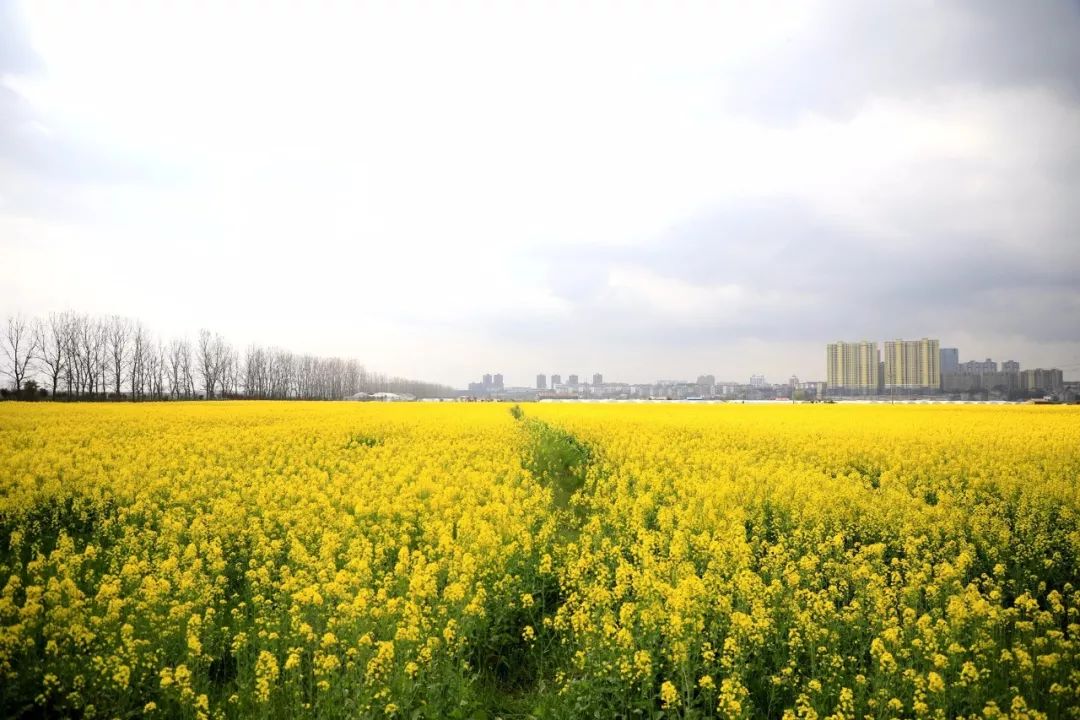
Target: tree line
(77, 356)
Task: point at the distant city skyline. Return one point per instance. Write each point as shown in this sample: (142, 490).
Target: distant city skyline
(908, 368)
(940, 366)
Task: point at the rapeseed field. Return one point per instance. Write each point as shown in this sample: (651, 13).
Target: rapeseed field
(340, 560)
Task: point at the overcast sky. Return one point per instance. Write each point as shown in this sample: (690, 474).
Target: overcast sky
(641, 189)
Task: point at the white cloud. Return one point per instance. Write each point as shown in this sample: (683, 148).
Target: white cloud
(365, 178)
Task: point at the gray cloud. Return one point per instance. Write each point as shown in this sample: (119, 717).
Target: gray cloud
(858, 50)
(952, 243)
(804, 277)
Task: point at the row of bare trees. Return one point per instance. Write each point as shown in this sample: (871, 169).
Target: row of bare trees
(78, 356)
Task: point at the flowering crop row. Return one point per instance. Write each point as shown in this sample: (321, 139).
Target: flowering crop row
(257, 559)
(825, 561)
(352, 560)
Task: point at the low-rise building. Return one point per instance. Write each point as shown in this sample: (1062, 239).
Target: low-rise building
(960, 382)
(1003, 381)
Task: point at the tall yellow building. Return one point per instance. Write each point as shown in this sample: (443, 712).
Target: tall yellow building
(912, 364)
(852, 368)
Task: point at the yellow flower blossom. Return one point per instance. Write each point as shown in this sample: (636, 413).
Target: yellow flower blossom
(669, 695)
(802, 561)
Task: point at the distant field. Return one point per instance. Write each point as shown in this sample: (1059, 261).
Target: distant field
(333, 560)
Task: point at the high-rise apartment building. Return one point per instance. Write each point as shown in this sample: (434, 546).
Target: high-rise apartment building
(541, 382)
(975, 375)
(556, 380)
(487, 380)
(852, 367)
(912, 364)
(597, 379)
(974, 367)
(498, 381)
(572, 381)
(1050, 381)
(950, 360)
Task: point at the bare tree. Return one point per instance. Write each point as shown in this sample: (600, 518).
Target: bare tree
(155, 370)
(206, 362)
(188, 370)
(90, 349)
(213, 358)
(73, 371)
(175, 359)
(224, 363)
(162, 372)
(228, 366)
(286, 376)
(255, 372)
(52, 339)
(230, 371)
(94, 355)
(117, 334)
(140, 344)
(20, 347)
(101, 327)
